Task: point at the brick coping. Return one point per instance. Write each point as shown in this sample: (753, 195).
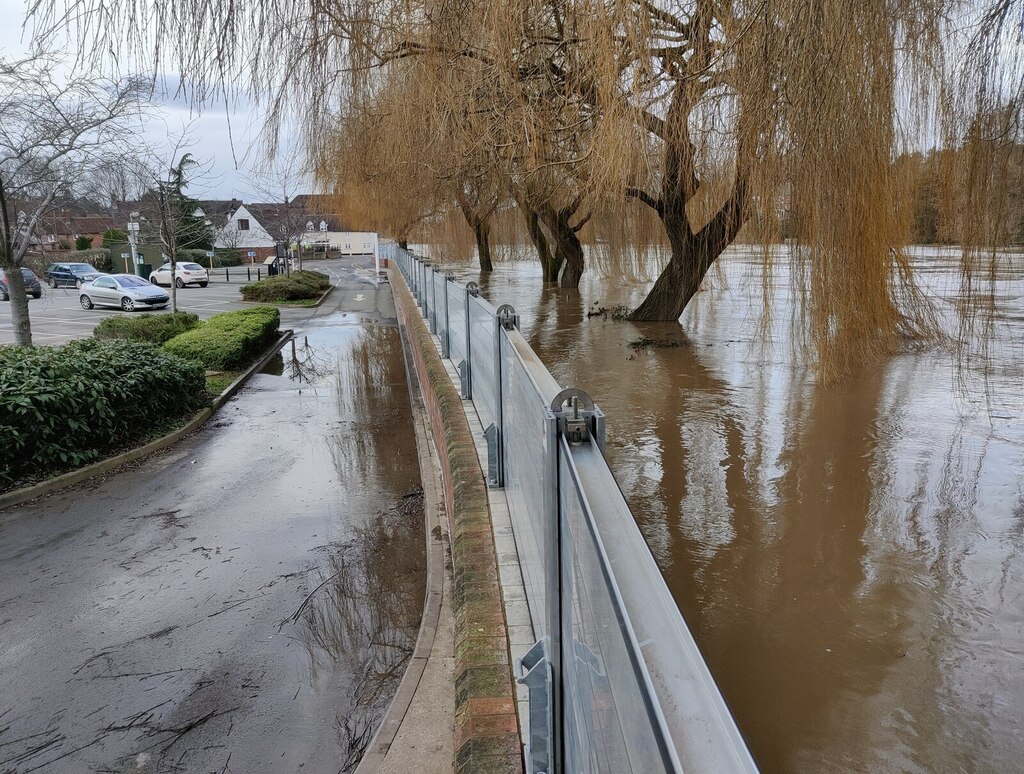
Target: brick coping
(487, 735)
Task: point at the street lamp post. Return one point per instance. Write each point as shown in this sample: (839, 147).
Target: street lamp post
(133, 242)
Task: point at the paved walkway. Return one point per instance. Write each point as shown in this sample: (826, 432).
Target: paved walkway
(243, 602)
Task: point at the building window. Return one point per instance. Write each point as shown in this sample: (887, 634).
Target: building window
(323, 225)
(309, 225)
(243, 224)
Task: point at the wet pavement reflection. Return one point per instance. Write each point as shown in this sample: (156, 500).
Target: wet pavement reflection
(849, 557)
(243, 602)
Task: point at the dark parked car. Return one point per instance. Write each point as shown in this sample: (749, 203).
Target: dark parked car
(73, 274)
(32, 286)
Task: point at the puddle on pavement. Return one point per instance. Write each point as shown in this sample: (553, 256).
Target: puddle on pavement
(364, 617)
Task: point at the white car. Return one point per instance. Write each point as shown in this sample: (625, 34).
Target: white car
(185, 273)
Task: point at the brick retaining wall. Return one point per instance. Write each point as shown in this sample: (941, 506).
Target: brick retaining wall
(486, 727)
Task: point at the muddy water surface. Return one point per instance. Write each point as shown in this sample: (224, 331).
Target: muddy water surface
(850, 558)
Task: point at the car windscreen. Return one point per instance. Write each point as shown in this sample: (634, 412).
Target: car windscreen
(132, 282)
(80, 267)
(28, 274)
(192, 266)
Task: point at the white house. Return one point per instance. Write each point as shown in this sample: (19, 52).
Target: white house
(243, 232)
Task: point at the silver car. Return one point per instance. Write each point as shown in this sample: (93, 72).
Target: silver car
(123, 290)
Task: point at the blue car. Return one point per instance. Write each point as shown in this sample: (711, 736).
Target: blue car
(70, 274)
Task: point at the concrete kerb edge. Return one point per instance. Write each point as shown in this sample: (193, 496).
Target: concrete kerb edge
(65, 480)
(391, 723)
(486, 724)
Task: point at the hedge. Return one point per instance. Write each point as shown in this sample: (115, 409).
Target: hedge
(64, 407)
(228, 341)
(295, 287)
(222, 258)
(154, 328)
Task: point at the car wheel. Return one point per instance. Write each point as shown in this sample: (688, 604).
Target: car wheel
(38, 295)
(179, 282)
(78, 284)
(153, 280)
(85, 301)
(127, 304)
(203, 284)
(51, 282)
(3, 294)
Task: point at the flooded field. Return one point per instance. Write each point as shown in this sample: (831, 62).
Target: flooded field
(850, 558)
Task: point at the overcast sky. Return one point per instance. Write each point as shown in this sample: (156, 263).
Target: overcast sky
(226, 144)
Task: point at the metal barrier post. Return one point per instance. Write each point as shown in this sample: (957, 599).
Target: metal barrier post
(432, 290)
(446, 343)
(466, 367)
(504, 319)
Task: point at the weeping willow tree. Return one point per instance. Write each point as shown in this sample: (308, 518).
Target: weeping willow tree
(708, 113)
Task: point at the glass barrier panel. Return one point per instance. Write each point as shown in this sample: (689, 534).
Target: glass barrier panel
(456, 322)
(529, 477)
(440, 289)
(696, 720)
(481, 321)
(607, 720)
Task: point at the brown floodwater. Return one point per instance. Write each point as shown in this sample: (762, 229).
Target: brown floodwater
(850, 558)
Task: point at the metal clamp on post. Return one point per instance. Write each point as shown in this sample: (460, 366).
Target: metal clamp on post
(507, 317)
(579, 418)
(534, 671)
(473, 288)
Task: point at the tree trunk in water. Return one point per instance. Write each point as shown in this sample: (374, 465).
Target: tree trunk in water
(549, 262)
(483, 244)
(569, 250)
(19, 306)
(679, 280)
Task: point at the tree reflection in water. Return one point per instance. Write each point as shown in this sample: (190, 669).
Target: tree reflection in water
(362, 615)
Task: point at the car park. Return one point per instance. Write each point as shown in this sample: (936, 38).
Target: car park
(185, 273)
(70, 274)
(32, 286)
(125, 291)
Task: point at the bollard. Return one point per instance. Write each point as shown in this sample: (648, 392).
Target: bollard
(259, 274)
(248, 274)
(227, 275)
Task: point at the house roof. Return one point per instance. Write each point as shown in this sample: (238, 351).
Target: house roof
(322, 207)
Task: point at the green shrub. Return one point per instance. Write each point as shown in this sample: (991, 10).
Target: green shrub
(154, 328)
(228, 341)
(222, 258)
(63, 407)
(297, 286)
(114, 236)
(279, 288)
(83, 242)
(316, 278)
(202, 257)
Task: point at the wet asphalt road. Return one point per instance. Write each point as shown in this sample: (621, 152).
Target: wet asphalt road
(243, 602)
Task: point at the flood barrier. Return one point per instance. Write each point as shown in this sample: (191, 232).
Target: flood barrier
(616, 681)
